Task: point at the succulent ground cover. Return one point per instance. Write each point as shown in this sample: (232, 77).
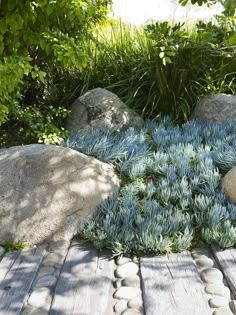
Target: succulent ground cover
(170, 196)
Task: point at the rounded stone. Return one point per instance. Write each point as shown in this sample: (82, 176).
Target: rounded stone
(212, 276)
(222, 311)
(53, 259)
(2, 251)
(46, 281)
(123, 260)
(131, 281)
(135, 303)
(218, 289)
(39, 297)
(29, 310)
(204, 262)
(127, 269)
(131, 311)
(61, 244)
(45, 271)
(126, 293)
(218, 301)
(117, 284)
(232, 305)
(200, 252)
(120, 306)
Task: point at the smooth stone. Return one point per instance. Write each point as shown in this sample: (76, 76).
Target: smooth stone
(204, 262)
(30, 310)
(135, 303)
(61, 244)
(2, 251)
(131, 311)
(199, 253)
(45, 271)
(232, 305)
(123, 260)
(39, 297)
(222, 311)
(53, 259)
(120, 306)
(126, 293)
(131, 281)
(218, 301)
(46, 281)
(117, 284)
(218, 289)
(211, 276)
(127, 269)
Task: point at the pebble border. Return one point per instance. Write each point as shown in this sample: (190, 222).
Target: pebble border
(215, 286)
(127, 295)
(42, 291)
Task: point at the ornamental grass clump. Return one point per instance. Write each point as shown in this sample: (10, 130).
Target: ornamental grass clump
(170, 195)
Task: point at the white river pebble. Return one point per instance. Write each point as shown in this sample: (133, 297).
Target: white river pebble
(127, 269)
(218, 301)
(126, 293)
(39, 297)
(212, 275)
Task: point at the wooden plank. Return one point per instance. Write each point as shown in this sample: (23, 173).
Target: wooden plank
(226, 260)
(171, 285)
(6, 263)
(85, 283)
(17, 283)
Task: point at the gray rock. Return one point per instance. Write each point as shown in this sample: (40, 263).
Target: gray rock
(45, 271)
(212, 276)
(125, 270)
(200, 253)
(99, 107)
(123, 260)
(222, 311)
(216, 108)
(218, 301)
(205, 262)
(120, 306)
(39, 297)
(46, 281)
(135, 303)
(218, 289)
(229, 184)
(48, 192)
(127, 293)
(132, 311)
(131, 281)
(53, 259)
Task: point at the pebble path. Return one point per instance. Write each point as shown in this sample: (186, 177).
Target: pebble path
(127, 293)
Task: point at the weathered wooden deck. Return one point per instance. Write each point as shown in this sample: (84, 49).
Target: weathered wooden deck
(84, 286)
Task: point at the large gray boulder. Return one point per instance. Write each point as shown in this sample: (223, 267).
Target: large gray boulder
(47, 192)
(229, 184)
(217, 108)
(99, 108)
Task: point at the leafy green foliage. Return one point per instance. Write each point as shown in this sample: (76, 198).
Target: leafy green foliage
(170, 195)
(9, 247)
(162, 68)
(39, 41)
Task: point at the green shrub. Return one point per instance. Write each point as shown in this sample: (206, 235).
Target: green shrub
(39, 41)
(164, 67)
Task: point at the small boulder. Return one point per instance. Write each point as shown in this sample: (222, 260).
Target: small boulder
(218, 108)
(229, 184)
(48, 191)
(99, 108)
